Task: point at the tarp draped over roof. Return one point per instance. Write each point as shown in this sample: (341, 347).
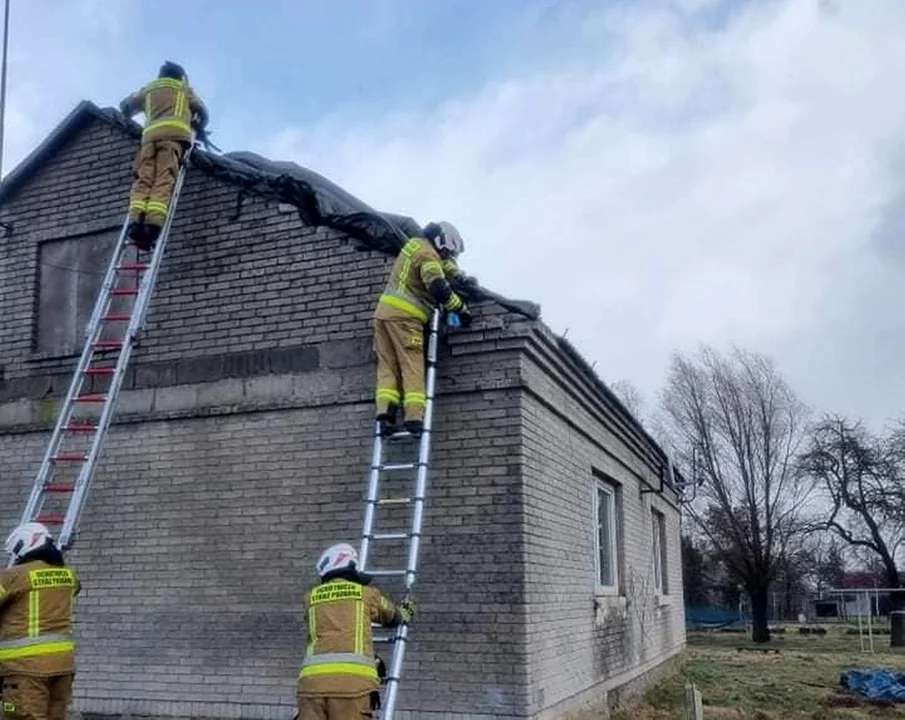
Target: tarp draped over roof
(323, 203)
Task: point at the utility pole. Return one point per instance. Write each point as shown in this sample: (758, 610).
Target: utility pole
(3, 80)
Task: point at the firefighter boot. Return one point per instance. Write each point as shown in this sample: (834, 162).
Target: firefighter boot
(387, 421)
(152, 232)
(414, 427)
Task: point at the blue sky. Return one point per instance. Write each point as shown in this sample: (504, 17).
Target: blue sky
(656, 173)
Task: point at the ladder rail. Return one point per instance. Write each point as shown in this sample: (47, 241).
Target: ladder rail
(101, 313)
(32, 507)
(139, 313)
(410, 573)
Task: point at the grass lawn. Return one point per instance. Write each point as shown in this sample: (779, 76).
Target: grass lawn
(798, 682)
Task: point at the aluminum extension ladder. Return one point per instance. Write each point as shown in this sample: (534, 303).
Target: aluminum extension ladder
(95, 366)
(413, 536)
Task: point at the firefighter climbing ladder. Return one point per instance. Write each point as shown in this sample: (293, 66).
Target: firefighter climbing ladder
(413, 536)
(94, 366)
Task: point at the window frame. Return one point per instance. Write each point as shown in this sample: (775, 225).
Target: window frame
(658, 552)
(611, 490)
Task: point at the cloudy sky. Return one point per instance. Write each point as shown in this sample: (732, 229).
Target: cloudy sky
(655, 173)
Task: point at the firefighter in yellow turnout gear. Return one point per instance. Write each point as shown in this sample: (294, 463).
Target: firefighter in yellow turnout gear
(37, 651)
(418, 282)
(339, 680)
(171, 109)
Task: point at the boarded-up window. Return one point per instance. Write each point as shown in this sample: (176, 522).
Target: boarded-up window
(70, 274)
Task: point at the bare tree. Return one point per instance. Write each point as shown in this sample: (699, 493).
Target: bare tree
(630, 396)
(862, 477)
(743, 423)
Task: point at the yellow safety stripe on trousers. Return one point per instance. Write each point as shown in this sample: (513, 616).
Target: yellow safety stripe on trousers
(168, 121)
(414, 398)
(404, 305)
(138, 205)
(389, 395)
(34, 613)
(154, 206)
(36, 649)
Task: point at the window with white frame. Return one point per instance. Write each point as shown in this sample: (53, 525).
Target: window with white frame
(607, 536)
(658, 525)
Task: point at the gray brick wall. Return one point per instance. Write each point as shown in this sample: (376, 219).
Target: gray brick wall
(240, 450)
(580, 639)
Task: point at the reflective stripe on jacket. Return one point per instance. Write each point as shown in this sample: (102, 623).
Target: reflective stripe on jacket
(339, 661)
(407, 292)
(36, 619)
(167, 105)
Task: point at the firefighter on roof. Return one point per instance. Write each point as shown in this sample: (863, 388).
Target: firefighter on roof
(36, 647)
(418, 282)
(339, 676)
(171, 110)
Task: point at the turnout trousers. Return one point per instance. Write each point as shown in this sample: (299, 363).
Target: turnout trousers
(399, 345)
(28, 697)
(334, 708)
(154, 171)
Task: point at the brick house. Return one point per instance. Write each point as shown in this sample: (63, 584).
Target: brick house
(551, 573)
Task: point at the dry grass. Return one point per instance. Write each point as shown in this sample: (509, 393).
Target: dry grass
(800, 682)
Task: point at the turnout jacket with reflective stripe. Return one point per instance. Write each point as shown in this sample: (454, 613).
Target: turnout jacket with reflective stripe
(407, 293)
(339, 661)
(168, 105)
(36, 619)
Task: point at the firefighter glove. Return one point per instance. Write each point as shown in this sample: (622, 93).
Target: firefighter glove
(407, 610)
(465, 316)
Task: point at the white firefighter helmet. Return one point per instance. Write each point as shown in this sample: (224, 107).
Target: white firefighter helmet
(337, 557)
(445, 237)
(26, 538)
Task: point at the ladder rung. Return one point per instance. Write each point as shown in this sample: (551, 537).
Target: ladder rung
(116, 317)
(397, 466)
(91, 398)
(69, 457)
(390, 536)
(133, 266)
(108, 344)
(51, 519)
(59, 488)
(383, 640)
(395, 501)
(80, 427)
(399, 435)
(124, 291)
(386, 573)
(100, 371)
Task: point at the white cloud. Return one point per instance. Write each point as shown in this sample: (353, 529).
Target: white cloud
(59, 54)
(690, 182)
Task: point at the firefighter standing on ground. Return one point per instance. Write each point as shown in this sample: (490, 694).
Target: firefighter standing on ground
(169, 104)
(418, 282)
(338, 680)
(37, 651)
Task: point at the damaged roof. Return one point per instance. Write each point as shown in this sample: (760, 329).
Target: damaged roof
(319, 202)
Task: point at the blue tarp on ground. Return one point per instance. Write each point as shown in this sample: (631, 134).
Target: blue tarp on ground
(711, 617)
(875, 684)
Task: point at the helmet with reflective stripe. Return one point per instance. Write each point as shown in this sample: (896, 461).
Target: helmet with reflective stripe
(445, 237)
(337, 557)
(27, 538)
